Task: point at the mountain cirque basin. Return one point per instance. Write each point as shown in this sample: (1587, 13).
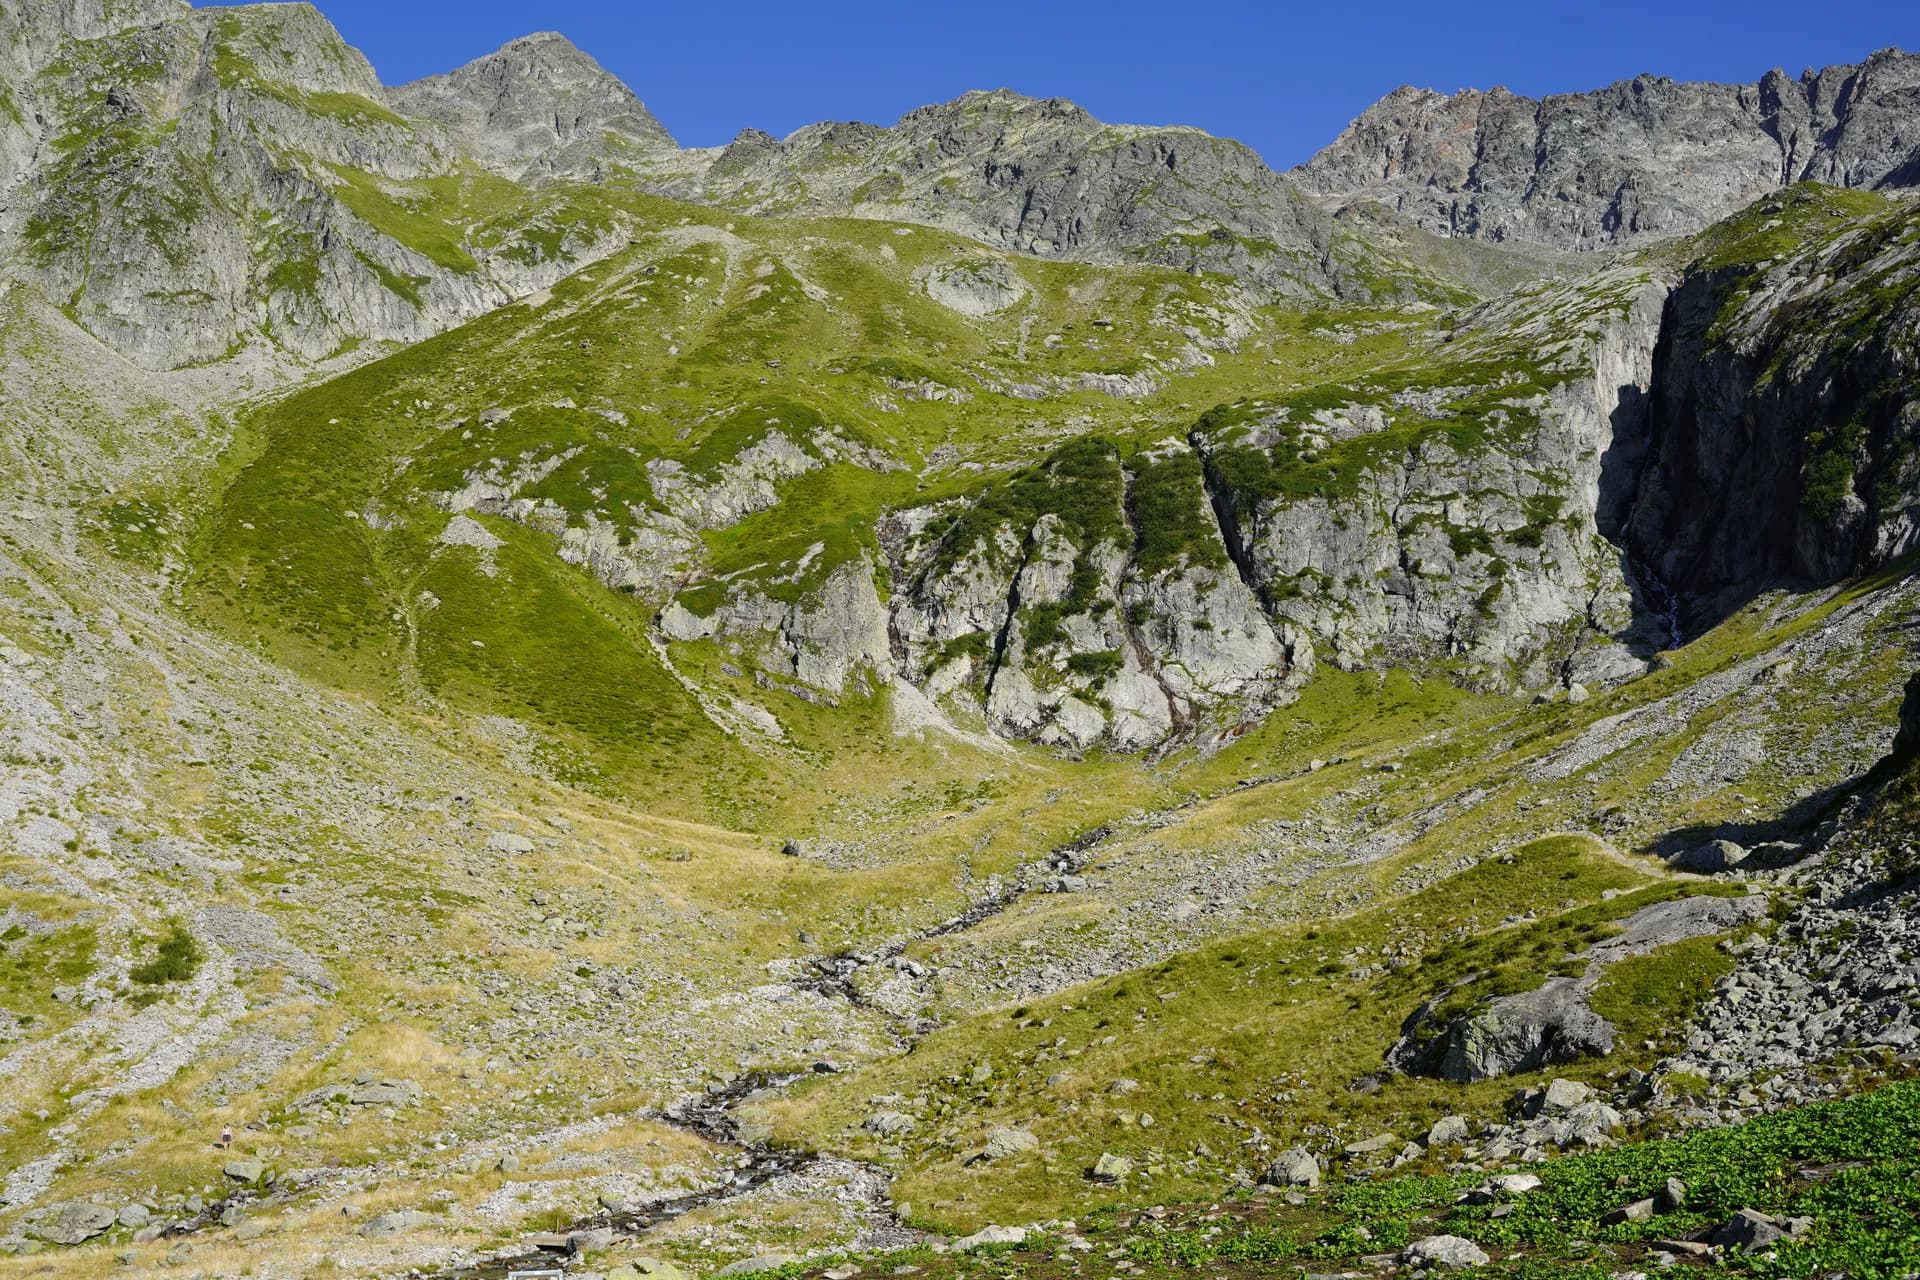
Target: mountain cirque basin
(1001, 695)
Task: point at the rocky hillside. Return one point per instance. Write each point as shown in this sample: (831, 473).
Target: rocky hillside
(196, 183)
(1043, 178)
(1638, 160)
(565, 702)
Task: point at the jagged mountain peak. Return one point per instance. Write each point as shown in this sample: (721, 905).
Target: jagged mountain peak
(538, 107)
(1642, 158)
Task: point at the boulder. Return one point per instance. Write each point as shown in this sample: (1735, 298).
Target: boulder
(1709, 859)
(1749, 1231)
(393, 1224)
(1371, 1146)
(1560, 1097)
(592, 1240)
(1516, 1184)
(1451, 1252)
(1672, 1197)
(1110, 1169)
(1523, 1032)
(508, 842)
(1591, 1124)
(386, 1093)
(1447, 1131)
(752, 1266)
(890, 1124)
(1004, 1143)
(135, 1216)
(71, 1223)
(1638, 1211)
(245, 1170)
(1295, 1167)
(990, 1236)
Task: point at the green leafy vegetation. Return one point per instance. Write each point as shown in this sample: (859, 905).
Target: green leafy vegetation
(176, 958)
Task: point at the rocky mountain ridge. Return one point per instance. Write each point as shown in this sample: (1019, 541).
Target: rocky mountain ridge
(1641, 159)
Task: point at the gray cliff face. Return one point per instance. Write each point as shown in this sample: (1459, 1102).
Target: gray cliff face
(1040, 177)
(1457, 519)
(538, 108)
(1784, 439)
(1643, 158)
(1115, 618)
(1909, 740)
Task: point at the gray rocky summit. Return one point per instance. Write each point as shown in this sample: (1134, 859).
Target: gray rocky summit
(1642, 158)
(537, 108)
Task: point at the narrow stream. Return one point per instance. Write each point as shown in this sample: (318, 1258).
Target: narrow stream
(714, 1115)
(711, 1117)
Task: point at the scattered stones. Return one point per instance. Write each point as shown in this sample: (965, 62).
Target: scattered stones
(892, 1124)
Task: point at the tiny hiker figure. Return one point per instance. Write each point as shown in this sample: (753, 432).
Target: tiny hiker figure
(226, 1137)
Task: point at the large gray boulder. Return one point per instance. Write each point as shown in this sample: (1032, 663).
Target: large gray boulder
(1711, 858)
(1294, 1167)
(1524, 1032)
(1451, 1252)
(72, 1223)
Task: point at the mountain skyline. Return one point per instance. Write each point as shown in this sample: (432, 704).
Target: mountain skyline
(860, 62)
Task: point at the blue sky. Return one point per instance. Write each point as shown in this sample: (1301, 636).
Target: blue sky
(1283, 77)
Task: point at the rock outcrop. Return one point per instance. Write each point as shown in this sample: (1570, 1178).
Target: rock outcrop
(1643, 158)
(1455, 511)
(1086, 601)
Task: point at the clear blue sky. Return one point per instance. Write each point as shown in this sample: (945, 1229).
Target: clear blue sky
(1283, 77)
